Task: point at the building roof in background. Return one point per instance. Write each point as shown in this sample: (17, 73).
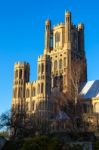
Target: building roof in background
(90, 89)
(61, 115)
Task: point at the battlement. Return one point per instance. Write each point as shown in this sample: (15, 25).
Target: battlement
(73, 26)
(31, 83)
(28, 84)
(34, 82)
(21, 64)
(59, 25)
(43, 57)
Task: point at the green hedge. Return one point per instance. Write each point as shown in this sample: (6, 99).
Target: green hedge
(40, 143)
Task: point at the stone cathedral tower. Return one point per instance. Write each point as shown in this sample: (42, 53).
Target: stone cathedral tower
(64, 43)
(21, 77)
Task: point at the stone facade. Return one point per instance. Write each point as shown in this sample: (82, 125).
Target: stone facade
(64, 43)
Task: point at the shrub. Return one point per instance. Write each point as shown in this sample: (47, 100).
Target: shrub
(96, 145)
(54, 144)
(30, 146)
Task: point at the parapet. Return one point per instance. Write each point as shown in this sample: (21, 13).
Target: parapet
(43, 57)
(21, 65)
(59, 25)
(31, 84)
(28, 84)
(34, 82)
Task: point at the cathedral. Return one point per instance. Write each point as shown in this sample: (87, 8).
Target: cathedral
(64, 44)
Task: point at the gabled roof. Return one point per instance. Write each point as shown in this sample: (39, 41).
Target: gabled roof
(90, 89)
(61, 115)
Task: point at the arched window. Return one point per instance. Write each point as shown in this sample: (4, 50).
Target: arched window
(65, 62)
(20, 73)
(42, 68)
(38, 88)
(16, 74)
(33, 91)
(26, 75)
(55, 65)
(15, 92)
(27, 93)
(20, 92)
(60, 64)
(33, 105)
(57, 37)
(39, 68)
(56, 81)
(47, 67)
(42, 87)
(27, 106)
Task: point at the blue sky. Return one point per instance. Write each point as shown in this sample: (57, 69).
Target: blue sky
(22, 35)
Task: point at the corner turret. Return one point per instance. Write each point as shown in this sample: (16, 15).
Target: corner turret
(47, 36)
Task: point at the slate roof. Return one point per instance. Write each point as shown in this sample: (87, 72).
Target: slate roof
(90, 89)
(61, 115)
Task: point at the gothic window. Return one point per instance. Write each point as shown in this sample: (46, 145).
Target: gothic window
(61, 82)
(65, 62)
(42, 68)
(20, 92)
(15, 92)
(51, 41)
(27, 93)
(16, 74)
(20, 73)
(26, 107)
(42, 87)
(56, 81)
(38, 88)
(33, 91)
(75, 40)
(55, 65)
(47, 69)
(33, 105)
(25, 75)
(60, 64)
(39, 68)
(57, 37)
(39, 106)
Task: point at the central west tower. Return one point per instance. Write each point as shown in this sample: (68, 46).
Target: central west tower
(64, 44)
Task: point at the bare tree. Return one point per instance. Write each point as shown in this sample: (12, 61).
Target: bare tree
(76, 78)
(5, 120)
(70, 100)
(13, 122)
